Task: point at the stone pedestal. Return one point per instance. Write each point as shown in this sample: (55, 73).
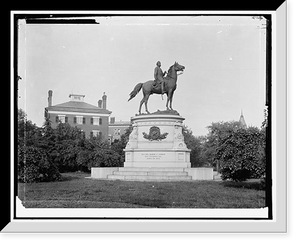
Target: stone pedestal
(157, 141)
(155, 152)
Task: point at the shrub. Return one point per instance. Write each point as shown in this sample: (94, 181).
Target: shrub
(195, 144)
(105, 158)
(34, 165)
(241, 154)
(44, 152)
(83, 159)
(67, 143)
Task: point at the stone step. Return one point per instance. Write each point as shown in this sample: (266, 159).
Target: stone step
(151, 173)
(190, 173)
(148, 177)
(152, 169)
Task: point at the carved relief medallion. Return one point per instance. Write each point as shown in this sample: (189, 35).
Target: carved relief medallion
(154, 134)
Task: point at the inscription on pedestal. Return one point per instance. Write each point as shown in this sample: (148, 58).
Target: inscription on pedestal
(153, 156)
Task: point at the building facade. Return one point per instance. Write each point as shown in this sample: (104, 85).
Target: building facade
(92, 120)
(117, 128)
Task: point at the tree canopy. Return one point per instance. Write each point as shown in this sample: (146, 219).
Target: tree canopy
(43, 152)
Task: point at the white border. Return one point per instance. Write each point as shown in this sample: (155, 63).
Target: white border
(279, 196)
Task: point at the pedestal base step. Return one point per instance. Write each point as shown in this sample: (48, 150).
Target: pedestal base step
(152, 173)
(131, 173)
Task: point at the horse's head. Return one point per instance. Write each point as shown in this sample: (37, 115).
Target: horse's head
(172, 72)
(178, 67)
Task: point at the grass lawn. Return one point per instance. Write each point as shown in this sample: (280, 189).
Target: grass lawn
(76, 191)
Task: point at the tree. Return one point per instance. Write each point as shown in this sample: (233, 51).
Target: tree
(241, 154)
(196, 145)
(237, 153)
(28, 133)
(34, 162)
(119, 145)
(217, 132)
(45, 152)
(68, 143)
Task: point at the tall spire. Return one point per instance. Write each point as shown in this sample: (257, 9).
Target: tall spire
(242, 121)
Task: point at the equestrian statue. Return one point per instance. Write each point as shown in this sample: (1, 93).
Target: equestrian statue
(160, 85)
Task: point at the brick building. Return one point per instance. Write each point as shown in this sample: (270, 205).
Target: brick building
(117, 128)
(92, 120)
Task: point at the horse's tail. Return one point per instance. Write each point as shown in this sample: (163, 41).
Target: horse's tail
(135, 91)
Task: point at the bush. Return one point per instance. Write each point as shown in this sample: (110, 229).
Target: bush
(105, 158)
(44, 152)
(66, 144)
(83, 159)
(35, 166)
(241, 154)
(195, 144)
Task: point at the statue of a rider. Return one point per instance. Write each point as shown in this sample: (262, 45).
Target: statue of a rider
(159, 76)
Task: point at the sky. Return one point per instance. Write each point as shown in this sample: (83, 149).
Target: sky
(224, 59)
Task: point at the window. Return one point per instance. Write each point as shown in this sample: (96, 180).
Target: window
(62, 118)
(95, 121)
(79, 120)
(95, 133)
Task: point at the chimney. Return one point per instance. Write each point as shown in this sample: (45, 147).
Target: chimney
(104, 97)
(112, 120)
(100, 104)
(49, 98)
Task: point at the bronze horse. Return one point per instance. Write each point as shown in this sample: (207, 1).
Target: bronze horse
(149, 87)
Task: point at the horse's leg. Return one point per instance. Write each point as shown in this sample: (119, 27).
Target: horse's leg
(171, 99)
(168, 94)
(141, 103)
(146, 102)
